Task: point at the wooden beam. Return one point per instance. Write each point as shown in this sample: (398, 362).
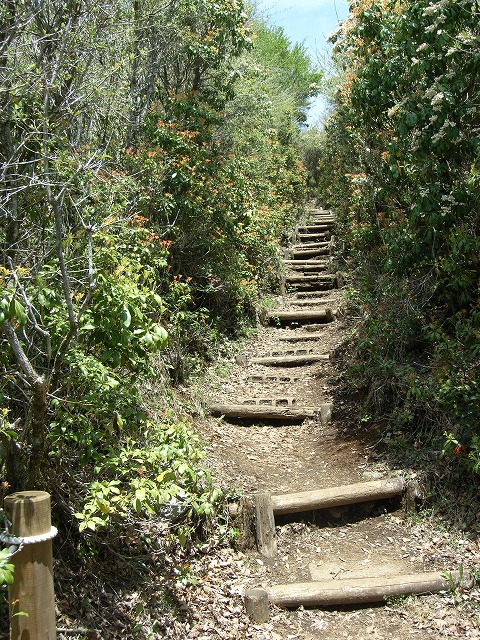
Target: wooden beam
(290, 361)
(320, 226)
(312, 279)
(314, 228)
(302, 315)
(309, 245)
(304, 295)
(265, 525)
(262, 412)
(309, 253)
(360, 590)
(313, 262)
(306, 269)
(305, 302)
(310, 236)
(337, 496)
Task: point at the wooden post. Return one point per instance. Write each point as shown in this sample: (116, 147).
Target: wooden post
(265, 525)
(32, 589)
(257, 605)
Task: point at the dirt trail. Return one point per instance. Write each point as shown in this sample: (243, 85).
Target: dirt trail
(282, 457)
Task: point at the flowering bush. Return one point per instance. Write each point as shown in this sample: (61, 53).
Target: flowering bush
(404, 180)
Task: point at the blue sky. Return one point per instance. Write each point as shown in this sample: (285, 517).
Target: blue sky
(308, 21)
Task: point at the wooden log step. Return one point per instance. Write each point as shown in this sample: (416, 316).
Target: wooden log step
(290, 352)
(291, 361)
(311, 242)
(308, 268)
(312, 301)
(338, 496)
(362, 590)
(320, 211)
(313, 278)
(309, 245)
(326, 222)
(262, 412)
(312, 262)
(327, 225)
(302, 315)
(301, 283)
(305, 295)
(313, 237)
(314, 228)
(298, 254)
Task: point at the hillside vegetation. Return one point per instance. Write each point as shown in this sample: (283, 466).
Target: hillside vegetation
(400, 164)
(149, 169)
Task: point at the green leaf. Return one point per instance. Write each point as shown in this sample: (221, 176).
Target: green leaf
(16, 310)
(87, 327)
(125, 317)
(158, 299)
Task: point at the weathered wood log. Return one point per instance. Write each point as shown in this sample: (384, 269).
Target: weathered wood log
(310, 285)
(360, 590)
(337, 496)
(309, 253)
(320, 237)
(308, 269)
(312, 302)
(291, 361)
(320, 231)
(265, 525)
(307, 266)
(302, 315)
(312, 262)
(32, 591)
(257, 605)
(314, 278)
(315, 228)
(309, 245)
(244, 519)
(262, 412)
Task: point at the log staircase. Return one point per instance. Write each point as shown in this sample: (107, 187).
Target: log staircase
(309, 305)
